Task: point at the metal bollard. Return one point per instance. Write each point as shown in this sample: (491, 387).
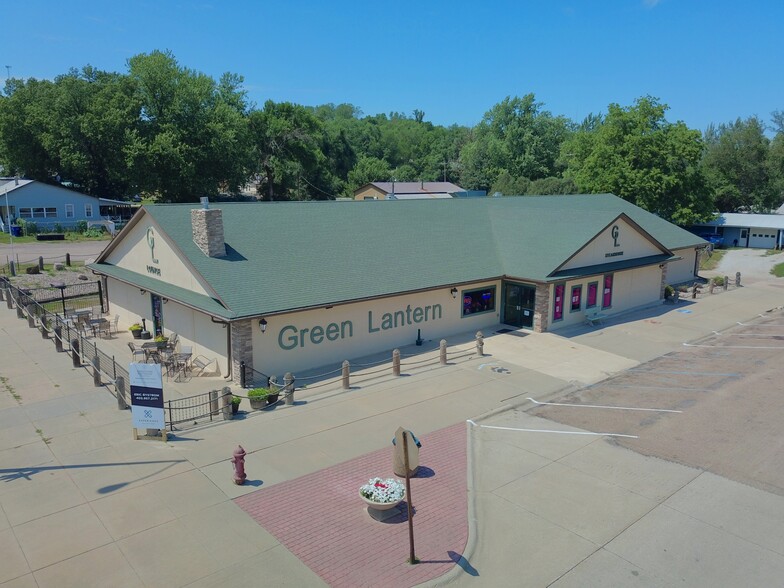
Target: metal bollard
(68, 259)
(242, 374)
(41, 263)
(288, 389)
(44, 331)
(442, 351)
(396, 362)
(346, 384)
(19, 311)
(75, 357)
(30, 316)
(480, 344)
(213, 403)
(726, 282)
(58, 339)
(12, 268)
(238, 462)
(9, 300)
(737, 279)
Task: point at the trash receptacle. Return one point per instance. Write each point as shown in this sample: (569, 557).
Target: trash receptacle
(16, 231)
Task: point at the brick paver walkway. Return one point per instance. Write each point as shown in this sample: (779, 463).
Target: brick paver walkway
(321, 519)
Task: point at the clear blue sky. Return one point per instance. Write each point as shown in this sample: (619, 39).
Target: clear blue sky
(709, 60)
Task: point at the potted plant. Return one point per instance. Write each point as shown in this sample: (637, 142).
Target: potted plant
(382, 494)
(260, 396)
(161, 341)
(136, 330)
(235, 404)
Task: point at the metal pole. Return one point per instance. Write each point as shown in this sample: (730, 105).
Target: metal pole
(412, 559)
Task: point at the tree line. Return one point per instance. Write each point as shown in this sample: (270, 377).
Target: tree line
(175, 134)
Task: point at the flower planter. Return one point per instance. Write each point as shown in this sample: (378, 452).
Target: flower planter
(258, 403)
(380, 505)
(235, 408)
(137, 333)
(272, 399)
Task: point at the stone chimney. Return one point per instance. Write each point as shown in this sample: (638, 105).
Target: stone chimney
(207, 226)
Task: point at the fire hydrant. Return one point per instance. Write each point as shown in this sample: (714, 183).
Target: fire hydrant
(238, 462)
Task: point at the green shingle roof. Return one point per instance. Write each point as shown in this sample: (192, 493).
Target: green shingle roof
(292, 255)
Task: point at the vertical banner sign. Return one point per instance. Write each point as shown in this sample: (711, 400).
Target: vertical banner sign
(147, 396)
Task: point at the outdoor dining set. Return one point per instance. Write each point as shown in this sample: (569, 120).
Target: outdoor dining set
(175, 362)
(90, 323)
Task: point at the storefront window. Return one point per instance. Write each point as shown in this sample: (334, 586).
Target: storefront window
(607, 294)
(577, 294)
(593, 289)
(477, 301)
(559, 302)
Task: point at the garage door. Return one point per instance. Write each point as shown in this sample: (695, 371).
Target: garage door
(762, 238)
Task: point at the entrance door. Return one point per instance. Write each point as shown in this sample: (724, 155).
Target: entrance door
(519, 302)
(157, 314)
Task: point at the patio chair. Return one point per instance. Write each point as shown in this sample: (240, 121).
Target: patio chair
(171, 344)
(114, 322)
(199, 365)
(136, 352)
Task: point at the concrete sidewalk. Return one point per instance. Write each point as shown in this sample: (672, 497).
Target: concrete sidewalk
(83, 504)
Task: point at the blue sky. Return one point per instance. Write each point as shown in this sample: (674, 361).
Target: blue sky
(709, 60)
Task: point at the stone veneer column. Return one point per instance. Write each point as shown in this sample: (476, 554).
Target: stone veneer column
(241, 348)
(541, 308)
(207, 225)
(663, 280)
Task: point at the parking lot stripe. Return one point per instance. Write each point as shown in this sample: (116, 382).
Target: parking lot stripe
(643, 371)
(732, 346)
(602, 406)
(469, 421)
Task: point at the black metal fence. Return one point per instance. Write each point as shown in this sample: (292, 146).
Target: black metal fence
(68, 338)
(68, 297)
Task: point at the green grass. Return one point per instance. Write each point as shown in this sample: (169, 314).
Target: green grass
(72, 237)
(712, 262)
(778, 270)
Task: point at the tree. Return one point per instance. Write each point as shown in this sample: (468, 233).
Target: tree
(636, 154)
(286, 142)
(737, 168)
(515, 135)
(192, 137)
(368, 169)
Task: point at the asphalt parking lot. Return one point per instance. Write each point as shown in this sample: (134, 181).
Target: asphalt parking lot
(728, 387)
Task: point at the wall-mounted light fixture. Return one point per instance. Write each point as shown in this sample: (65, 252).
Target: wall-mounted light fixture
(142, 291)
(263, 325)
(453, 291)
(165, 300)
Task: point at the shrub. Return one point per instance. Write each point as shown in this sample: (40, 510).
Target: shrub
(718, 281)
(259, 393)
(81, 226)
(58, 228)
(669, 291)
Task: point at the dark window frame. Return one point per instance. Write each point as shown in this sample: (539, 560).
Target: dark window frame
(480, 291)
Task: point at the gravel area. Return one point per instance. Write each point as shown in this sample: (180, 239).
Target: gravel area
(52, 252)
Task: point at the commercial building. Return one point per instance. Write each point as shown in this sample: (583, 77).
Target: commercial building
(290, 286)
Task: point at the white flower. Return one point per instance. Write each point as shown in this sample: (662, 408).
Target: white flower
(378, 490)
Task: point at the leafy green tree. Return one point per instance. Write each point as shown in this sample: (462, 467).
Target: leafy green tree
(509, 186)
(737, 168)
(368, 169)
(287, 141)
(515, 135)
(636, 154)
(192, 137)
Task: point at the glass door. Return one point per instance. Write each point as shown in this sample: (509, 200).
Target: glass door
(157, 315)
(519, 303)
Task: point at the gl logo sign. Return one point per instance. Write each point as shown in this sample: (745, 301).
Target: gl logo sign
(614, 233)
(151, 243)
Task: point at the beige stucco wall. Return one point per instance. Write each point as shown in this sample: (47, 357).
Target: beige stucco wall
(683, 269)
(133, 253)
(355, 333)
(602, 249)
(370, 192)
(631, 289)
(193, 328)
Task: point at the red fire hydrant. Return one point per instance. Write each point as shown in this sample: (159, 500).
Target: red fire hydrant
(238, 462)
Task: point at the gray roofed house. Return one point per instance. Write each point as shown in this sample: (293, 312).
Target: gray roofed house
(407, 190)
